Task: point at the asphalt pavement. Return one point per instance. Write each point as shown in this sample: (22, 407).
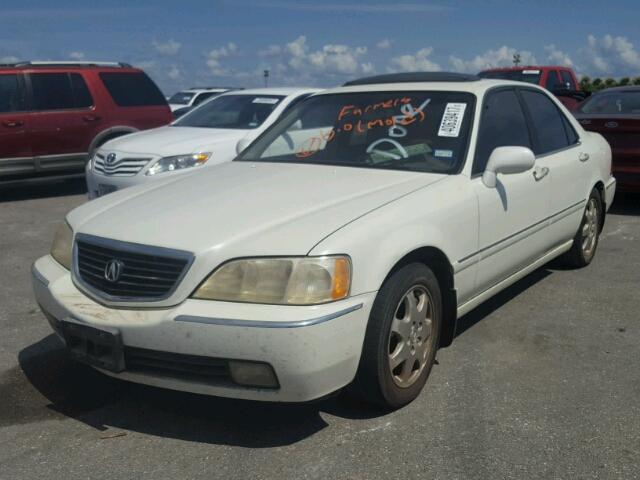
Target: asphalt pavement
(542, 382)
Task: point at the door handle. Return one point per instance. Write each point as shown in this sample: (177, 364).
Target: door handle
(13, 123)
(540, 173)
(583, 157)
(91, 118)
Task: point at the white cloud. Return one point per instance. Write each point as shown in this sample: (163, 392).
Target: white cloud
(412, 63)
(77, 55)
(610, 55)
(174, 73)
(9, 59)
(337, 59)
(558, 57)
(270, 51)
(170, 47)
(215, 55)
(368, 67)
(501, 57)
(384, 44)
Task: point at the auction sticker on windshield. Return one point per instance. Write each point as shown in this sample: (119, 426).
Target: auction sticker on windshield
(452, 120)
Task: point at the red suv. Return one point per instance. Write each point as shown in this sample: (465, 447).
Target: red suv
(561, 81)
(52, 115)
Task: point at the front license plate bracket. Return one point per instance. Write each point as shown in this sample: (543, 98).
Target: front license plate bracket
(98, 347)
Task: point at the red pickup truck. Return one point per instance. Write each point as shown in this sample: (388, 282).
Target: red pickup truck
(561, 81)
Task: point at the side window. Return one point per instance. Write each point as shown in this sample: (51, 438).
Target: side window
(81, 92)
(51, 91)
(502, 124)
(552, 82)
(567, 80)
(132, 89)
(12, 95)
(550, 132)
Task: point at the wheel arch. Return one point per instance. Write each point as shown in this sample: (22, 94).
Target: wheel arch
(109, 134)
(439, 263)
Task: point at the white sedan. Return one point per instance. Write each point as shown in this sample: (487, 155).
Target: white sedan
(339, 248)
(209, 134)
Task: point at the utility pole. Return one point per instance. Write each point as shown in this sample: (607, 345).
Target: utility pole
(516, 59)
(265, 74)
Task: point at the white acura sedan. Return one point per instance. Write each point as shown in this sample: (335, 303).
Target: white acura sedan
(339, 248)
(209, 134)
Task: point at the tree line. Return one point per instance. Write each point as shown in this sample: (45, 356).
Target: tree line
(593, 85)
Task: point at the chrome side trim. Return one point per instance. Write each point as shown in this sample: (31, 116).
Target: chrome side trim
(38, 276)
(231, 322)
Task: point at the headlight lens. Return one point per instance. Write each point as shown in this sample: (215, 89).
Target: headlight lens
(179, 162)
(63, 245)
(282, 281)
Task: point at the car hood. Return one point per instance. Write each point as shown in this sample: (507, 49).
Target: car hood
(244, 208)
(170, 140)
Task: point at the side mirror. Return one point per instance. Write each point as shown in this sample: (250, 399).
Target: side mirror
(242, 144)
(507, 160)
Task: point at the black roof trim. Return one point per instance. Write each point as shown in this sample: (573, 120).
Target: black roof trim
(413, 77)
(65, 64)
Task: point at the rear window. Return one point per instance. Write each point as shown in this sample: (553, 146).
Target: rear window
(613, 103)
(132, 89)
(528, 75)
(231, 111)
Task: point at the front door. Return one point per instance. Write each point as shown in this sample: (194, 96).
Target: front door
(512, 216)
(15, 150)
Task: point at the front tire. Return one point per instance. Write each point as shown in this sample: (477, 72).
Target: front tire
(402, 337)
(587, 237)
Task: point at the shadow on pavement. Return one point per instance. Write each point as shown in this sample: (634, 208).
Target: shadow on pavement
(77, 391)
(626, 204)
(54, 188)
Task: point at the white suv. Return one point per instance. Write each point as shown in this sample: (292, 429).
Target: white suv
(341, 246)
(207, 135)
(193, 97)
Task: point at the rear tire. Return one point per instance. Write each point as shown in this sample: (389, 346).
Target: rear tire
(587, 237)
(401, 338)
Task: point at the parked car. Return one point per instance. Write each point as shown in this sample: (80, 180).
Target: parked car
(340, 246)
(561, 81)
(184, 100)
(52, 115)
(207, 135)
(615, 114)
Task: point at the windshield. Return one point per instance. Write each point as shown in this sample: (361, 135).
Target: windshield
(417, 131)
(231, 111)
(181, 98)
(613, 103)
(529, 76)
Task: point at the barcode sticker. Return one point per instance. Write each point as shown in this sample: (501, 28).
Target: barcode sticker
(452, 120)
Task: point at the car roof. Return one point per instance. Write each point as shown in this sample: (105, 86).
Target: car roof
(526, 67)
(283, 91)
(477, 87)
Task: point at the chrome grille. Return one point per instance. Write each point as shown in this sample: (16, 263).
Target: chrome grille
(145, 273)
(122, 167)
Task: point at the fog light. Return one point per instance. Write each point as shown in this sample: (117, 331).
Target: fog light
(253, 374)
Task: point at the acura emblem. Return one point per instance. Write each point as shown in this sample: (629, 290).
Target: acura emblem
(611, 124)
(111, 158)
(113, 270)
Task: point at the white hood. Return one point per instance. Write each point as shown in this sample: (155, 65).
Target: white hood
(242, 208)
(170, 140)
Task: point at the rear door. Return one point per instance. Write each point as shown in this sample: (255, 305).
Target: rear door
(64, 122)
(15, 151)
(512, 215)
(559, 157)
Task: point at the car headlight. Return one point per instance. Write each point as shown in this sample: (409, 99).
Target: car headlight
(62, 247)
(178, 162)
(282, 281)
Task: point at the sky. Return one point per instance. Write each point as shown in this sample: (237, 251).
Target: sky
(322, 43)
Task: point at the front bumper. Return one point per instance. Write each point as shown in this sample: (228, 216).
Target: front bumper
(314, 350)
